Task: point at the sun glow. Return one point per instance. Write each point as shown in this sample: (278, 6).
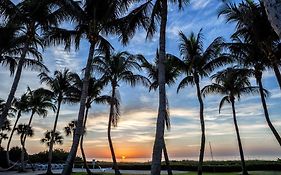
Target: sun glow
(123, 157)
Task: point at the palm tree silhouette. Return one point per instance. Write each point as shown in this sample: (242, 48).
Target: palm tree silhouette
(233, 83)
(171, 76)
(24, 131)
(114, 69)
(159, 14)
(57, 138)
(94, 91)
(32, 18)
(197, 63)
(250, 56)
(93, 19)
(21, 106)
(60, 86)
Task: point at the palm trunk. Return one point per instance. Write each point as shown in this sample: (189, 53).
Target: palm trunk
(202, 148)
(79, 131)
(277, 73)
(167, 161)
(22, 168)
(159, 137)
(29, 124)
(81, 143)
(244, 171)
(50, 155)
(111, 113)
(10, 139)
(273, 10)
(14, 87)
(264, 105)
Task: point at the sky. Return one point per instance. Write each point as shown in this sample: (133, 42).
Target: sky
(134, 136)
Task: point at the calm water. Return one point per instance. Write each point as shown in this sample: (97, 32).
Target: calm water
(145, 159)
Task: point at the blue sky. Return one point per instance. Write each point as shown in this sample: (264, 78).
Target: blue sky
(134, 135)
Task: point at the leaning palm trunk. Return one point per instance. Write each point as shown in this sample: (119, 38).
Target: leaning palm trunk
(277, 74)
(81, 144)
(79, 131)
(202, 148)
(244, 171)
(50, 155)
(264, 105)
(159, 137)
(23, 151)
(14, 86)
(273, 10)
(111, 115)
(10, 138)
(167, 161)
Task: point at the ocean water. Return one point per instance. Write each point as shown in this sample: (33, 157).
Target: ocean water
(148, 159)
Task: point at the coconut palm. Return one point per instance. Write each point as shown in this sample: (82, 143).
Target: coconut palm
(93, 19)
(197, 63)
(233, 83)
(3, 136)
(114, 69)
(250, 56)
(252, 23)
(60, 86)
(57, 138)
(21, 106)
(94, 91)
(32, 18)
(171, 75)
(23, 130)
(159, 14)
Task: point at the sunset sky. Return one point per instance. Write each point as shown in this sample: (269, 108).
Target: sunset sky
(134, 135)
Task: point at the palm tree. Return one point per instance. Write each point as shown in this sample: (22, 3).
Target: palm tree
(3, 135)
(197, 63)
(32, 18)
(39, 101)
(233, 83)
(94, 91)
(160, 13)
(171, 75)
(273, 10)
(93, 19)
(60, 86)
(114, 69)
(252, 23)
(251, 57)
(21, 105)
(57, 138)
(23, 130)
(70, 128)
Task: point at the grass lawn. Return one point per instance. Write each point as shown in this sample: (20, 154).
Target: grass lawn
(195, 173)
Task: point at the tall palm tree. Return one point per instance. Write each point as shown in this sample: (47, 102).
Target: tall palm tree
(93, 19)
(21, 105)
(94, 91)
(159, 13)
(60, 85)
(118, 68)
(24, 131)
(171, 75)
(233, 83)
(197, 63)
(250, 56)
(252, 23)
(273, 10)
(32, 18)
(57, 138)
